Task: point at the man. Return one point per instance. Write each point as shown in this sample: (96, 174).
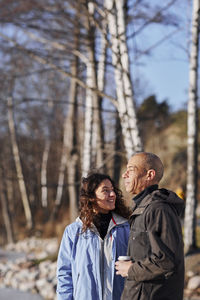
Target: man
(156, 269)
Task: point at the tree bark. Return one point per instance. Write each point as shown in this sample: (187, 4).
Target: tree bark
(192, 145)
(100, 84)
(93, 141)
(18, 166)
(125, 63)
(69, 148)
(5, 209)
(44, 190)
(125, 100)
(69, 156)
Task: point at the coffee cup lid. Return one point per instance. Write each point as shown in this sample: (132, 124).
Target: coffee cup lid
(124, 258)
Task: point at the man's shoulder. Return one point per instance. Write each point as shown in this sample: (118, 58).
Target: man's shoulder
(167, 200)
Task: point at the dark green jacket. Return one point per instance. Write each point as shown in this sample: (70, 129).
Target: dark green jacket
(156, 247)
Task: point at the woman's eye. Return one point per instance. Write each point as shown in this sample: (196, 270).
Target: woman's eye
(107, 191)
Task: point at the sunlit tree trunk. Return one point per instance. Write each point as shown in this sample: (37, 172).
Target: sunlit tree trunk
(93, 140)
(102, 57)
(45, 155)
(16, 155)
(6, 217)
(87, 143)
(68, 162)
(44, 190)
(125, 63)
(125, 107)
(100, 84)
(72, 185)
(97, 130)
(5, 209)
(73, 156)
(70, 157)
(118, 150)
(192, 147)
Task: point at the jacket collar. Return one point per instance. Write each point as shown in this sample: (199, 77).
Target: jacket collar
(138, 210)
(115, 220)
(143, 199)
(139, 197)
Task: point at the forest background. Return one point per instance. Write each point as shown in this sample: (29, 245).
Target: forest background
(71, 101)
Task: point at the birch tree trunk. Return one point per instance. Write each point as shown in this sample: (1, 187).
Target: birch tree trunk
(118, 150)
(72, 163)
(5, 209)
(44, 191)
(102, 58)
(87, 144)
(16, 155)
(69, 156)
(72, 186)
(100, 84)
(6, 217)
(125, 107)
(192, 146)
(93, 140)
(69, 149)
(125, 63)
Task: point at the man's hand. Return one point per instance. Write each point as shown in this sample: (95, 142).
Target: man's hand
(122, 267)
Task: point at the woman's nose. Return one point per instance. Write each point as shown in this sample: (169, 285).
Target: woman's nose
(112, 193)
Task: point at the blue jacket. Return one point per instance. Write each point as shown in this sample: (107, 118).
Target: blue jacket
(86, 263)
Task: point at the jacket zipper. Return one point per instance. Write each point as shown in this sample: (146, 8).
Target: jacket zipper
(76, 287)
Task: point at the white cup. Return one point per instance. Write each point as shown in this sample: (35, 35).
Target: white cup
(124, 258)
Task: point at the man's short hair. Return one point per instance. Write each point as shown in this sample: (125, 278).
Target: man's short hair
(152, 161)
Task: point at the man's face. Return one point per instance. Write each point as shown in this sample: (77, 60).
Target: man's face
(135, 176)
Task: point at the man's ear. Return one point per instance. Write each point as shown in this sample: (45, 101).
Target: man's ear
(151, 174)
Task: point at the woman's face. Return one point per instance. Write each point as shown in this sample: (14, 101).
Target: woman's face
(105, 196)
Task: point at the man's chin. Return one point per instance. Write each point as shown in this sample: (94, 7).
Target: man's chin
(129, 191)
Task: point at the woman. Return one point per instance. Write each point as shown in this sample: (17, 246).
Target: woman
(91, 245)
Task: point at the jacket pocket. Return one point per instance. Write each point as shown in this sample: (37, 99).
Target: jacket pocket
(139, 245)
(132, 290)
(140, 236)
(137, 290)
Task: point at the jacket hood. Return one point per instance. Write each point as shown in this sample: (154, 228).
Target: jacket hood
(163, 195)
(115, 221)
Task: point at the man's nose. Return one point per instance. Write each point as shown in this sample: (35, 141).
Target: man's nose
(124, 175)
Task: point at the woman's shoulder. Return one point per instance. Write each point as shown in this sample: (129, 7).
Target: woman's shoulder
(74, 227)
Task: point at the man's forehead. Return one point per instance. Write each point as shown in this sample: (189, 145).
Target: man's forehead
(134, 161)
(131, 164)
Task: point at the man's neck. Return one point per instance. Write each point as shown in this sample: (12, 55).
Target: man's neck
(138, 198)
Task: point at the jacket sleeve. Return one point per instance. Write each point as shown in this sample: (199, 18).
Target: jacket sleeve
(64, 269)
(165, 237)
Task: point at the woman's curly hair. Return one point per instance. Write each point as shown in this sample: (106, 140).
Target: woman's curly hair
(88, 207)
